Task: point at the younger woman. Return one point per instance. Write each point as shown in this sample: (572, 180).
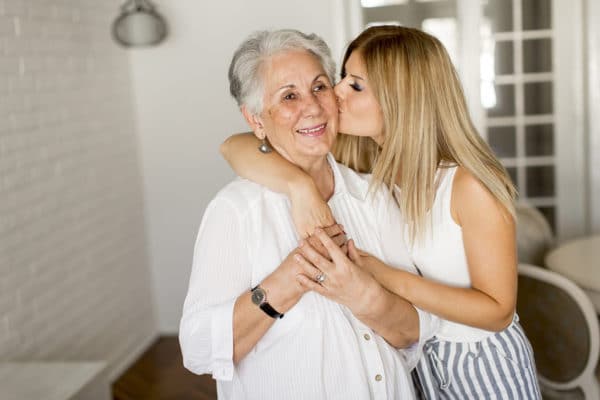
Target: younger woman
(404, 119)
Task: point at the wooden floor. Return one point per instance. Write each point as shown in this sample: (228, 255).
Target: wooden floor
(159, 374)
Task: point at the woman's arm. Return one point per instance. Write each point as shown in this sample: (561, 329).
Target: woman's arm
(220, 324)
(489, 240)
(309, 210)
(250, 323)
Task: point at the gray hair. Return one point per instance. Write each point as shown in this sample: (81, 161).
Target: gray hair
(245, 80)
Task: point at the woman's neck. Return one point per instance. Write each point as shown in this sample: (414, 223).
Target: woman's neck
(322, 175)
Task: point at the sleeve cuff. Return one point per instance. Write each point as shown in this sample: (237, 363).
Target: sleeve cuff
(428, 325)
(222, 341)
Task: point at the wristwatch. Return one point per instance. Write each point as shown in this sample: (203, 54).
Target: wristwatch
(259, 297)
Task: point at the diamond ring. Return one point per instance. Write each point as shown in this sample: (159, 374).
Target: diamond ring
(320, 278)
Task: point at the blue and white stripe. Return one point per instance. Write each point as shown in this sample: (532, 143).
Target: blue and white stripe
(499, 367)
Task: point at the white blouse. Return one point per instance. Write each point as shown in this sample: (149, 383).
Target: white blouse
(319, 350)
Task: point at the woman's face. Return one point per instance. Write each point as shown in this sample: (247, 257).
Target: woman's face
(300, 113)
(359, 111)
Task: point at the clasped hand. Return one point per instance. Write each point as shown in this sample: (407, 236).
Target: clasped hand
(283, 288)
(341, 277)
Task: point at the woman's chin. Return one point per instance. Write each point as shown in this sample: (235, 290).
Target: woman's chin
(317, 150)
(348, 130)
(316, 143)
(354, 132)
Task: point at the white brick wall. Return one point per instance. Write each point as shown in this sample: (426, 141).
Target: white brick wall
(74, 276)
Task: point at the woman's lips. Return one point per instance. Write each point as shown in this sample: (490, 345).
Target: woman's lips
(313, 131)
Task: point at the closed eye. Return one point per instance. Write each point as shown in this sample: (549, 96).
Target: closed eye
(356, 87)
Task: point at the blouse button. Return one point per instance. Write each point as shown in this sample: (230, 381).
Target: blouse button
(367, 336)
(378, 377)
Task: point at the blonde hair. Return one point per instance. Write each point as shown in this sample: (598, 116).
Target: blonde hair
(426, 123)
(357, 152)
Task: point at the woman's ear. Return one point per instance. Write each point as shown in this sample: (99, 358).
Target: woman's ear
(255, 123)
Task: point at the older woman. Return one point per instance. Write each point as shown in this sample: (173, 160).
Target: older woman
(248, 318)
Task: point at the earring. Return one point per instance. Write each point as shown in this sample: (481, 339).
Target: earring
(264, 146)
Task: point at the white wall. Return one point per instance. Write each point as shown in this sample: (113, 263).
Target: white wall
(185, 112)
(74, 275)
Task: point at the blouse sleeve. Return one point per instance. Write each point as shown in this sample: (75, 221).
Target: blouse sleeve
(221, 272)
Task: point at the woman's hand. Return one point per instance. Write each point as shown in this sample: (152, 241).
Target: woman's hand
(390, 278)
(338, 279)
(309, 210)
(366, 261)
(337, 234)
(283, 289)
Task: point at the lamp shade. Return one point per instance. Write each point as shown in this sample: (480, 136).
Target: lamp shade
(139, 25)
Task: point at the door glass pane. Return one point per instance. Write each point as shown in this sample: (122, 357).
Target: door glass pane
(505, 101)
(500, 14)
(537, 55)
(503, 58)
(502, 140)
(512, 172)
(538, 98)
(536, 14)
(539, 140)
(540, 181)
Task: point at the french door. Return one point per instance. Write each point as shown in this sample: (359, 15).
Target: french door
(521, 65)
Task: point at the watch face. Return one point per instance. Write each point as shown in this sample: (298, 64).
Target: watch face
(258, 296)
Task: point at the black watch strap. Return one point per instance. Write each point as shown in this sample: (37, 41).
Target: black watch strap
(271, 312)
(259, 297)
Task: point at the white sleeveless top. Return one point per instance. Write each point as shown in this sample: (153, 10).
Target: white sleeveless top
(440, 255)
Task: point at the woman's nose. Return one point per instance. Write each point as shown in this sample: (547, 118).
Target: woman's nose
(312, 106)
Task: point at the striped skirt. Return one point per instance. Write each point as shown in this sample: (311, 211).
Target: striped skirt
(499, 367)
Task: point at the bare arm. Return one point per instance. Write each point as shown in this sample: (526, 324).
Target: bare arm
(309, 210)
(489, 240)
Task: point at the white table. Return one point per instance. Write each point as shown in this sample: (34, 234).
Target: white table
(579, 260)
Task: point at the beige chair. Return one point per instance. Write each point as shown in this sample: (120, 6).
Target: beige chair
(562, 326)
(534, 235)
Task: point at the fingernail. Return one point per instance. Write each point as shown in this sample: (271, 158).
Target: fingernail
(297, 257)
(318, 230)
(301, 243)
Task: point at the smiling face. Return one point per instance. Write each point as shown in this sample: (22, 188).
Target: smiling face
(359, 111)
(299, 115)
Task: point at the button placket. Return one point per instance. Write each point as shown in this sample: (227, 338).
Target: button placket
(374, 363)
